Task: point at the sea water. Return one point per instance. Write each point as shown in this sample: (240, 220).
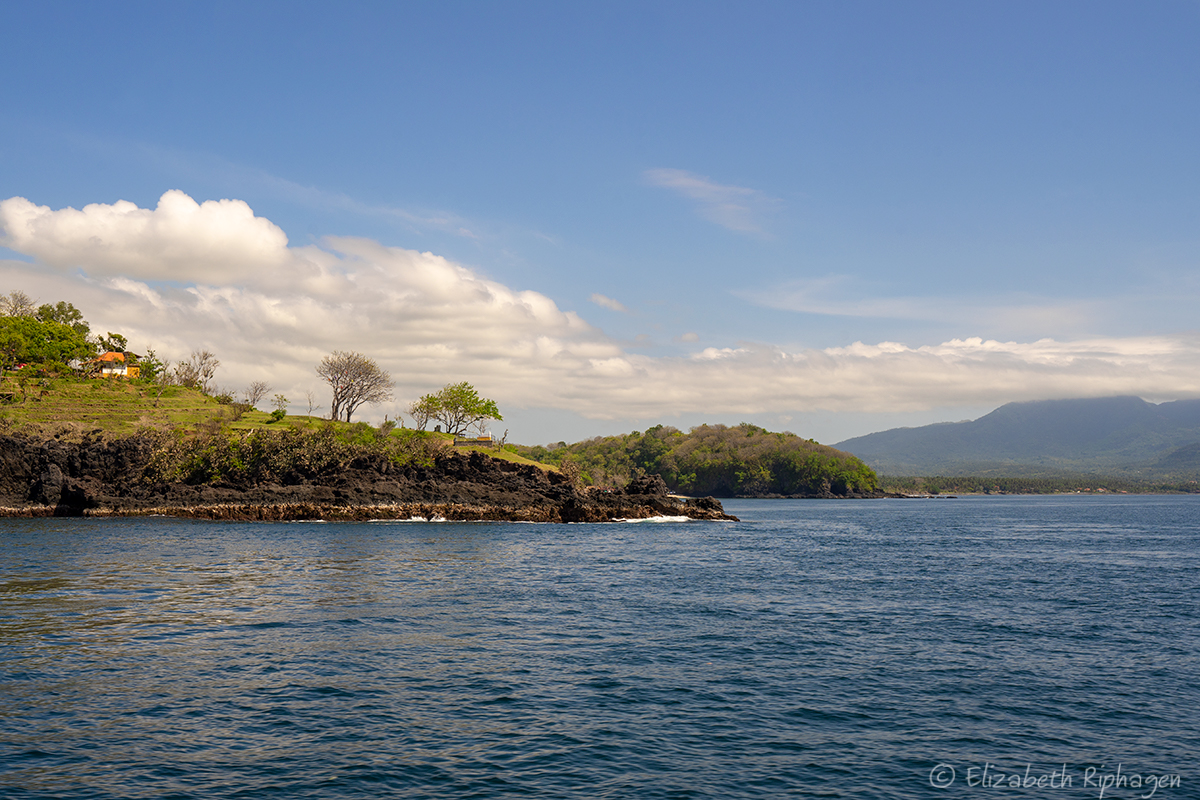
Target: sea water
(975, 647)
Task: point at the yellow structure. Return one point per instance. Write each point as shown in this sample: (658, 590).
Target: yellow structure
(113, 365)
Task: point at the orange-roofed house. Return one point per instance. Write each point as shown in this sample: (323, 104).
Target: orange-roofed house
(114, 365)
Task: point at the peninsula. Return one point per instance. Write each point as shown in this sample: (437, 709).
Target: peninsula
(297, 474)
(89, 427)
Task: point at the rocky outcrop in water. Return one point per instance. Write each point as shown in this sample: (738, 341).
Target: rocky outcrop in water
(99, 477)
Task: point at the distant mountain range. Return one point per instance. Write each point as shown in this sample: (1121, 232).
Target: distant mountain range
(1111, 435)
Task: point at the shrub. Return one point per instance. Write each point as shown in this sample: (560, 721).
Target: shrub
(284, 454)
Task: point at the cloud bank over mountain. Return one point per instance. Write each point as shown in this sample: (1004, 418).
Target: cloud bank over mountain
(188, 275)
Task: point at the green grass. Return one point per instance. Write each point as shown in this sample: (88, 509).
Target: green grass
(114, 407)
(500, 453)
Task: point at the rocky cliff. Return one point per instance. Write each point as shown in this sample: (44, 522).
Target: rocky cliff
(110, 477)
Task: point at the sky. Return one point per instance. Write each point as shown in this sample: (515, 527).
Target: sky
(824, 217)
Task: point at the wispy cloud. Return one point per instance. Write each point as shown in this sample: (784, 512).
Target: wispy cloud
(844, 296)
(444, 221)
(204, 166)
(736, 208)
(608, 302)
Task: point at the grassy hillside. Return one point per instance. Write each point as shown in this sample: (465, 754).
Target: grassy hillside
(115, 407)
(69, 407)
(712, 459)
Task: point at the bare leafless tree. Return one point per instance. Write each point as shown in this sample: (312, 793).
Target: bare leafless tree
(197, 372)
(17, 304)
(421, 411)
(163, 378)
(255, 392)
(312, 400)
(355, 379)
(571, 471)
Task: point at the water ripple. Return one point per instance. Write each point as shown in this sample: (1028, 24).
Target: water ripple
(816, 649)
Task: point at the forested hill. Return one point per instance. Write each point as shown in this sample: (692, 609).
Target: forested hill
(743, 460)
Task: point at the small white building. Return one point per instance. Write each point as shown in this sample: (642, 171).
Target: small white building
(114, 365)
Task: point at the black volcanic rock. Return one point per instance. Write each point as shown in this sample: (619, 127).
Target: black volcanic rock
(647, 484)
(100, 477)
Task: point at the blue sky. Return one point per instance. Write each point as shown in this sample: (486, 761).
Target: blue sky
(830, 218)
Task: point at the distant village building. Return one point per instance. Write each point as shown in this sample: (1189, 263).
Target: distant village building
(484, 440)
(114, 365)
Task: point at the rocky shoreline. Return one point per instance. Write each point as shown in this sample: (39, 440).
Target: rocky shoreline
(106, 478)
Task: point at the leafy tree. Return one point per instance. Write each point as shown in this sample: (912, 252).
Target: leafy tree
(355, 379)
(281, 403)
(114, 343)
(64, 314)
(12, 345)
(27, 339)
(459, 407)
(151, 366)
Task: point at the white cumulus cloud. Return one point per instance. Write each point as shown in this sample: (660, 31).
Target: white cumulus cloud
(430, 321)
(180, 240)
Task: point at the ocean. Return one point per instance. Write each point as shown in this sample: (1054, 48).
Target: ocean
(982, 646)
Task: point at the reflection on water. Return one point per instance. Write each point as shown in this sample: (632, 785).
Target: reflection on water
(836, 648)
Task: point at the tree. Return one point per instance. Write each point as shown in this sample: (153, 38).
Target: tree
(151, 366)
(17, 304)
(355, 379)
(197, 372)
(64, 314)
(12, 346)
(281, 403)
(255, 392)
(158, 372)
(26, 339)
(459, 407)
(423, 410)
(113, 343)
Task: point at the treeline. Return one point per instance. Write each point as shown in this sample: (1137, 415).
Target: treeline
(724, 461)
(53, 334)
(54, 337)
(1087, 484)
